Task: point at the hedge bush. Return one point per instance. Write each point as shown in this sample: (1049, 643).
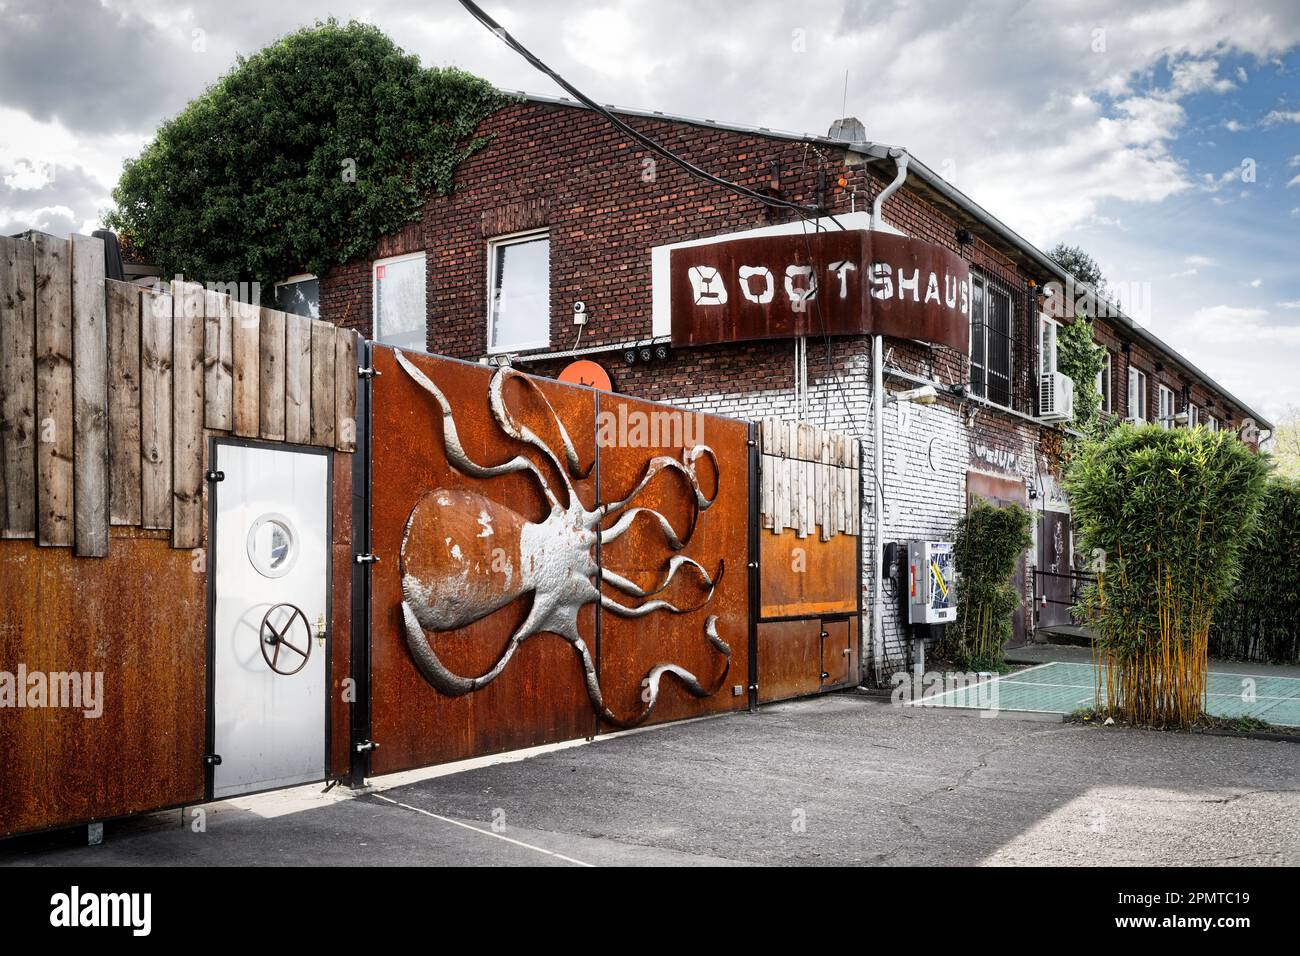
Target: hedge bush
(988, 543)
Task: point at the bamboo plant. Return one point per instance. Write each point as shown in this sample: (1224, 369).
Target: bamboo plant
(1165, 513)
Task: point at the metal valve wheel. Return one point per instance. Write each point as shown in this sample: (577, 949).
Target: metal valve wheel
(273, 638)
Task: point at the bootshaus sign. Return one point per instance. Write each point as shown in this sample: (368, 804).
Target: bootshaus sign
(838, 283)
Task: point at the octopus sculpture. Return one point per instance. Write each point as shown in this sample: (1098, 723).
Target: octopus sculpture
(465, 556)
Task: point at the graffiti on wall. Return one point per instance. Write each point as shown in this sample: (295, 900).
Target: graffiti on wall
(465, 555)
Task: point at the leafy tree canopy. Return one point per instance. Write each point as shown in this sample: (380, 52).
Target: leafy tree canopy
(1080, 265)
(300, 157)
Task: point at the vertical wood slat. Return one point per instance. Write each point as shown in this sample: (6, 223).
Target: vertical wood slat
(187, 418)
(123, 402)
(271, 376)
(322, 383)
(297, 379)
(156, 410)
(53, 268)
(219, 359)
(17, 389)
(345, 390)
(245, 330)
(90, 488)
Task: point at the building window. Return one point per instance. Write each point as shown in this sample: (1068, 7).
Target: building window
(400, 309)
(1211, 423)
(1166, 416)
(1103, 379)
(519, 292)
(1137, 395)
(990, 341)
(299, 295)
(1193, 414)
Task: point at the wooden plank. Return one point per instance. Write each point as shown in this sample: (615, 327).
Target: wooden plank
(322, 383)
(53, 267)
(297, 379)
(219, 360)
(123, 402)
(90, 490)
(345, 390)
(245, 328)
(187, 423)
(17, 389)
(271, 379)
(156, 410)
(767, 464)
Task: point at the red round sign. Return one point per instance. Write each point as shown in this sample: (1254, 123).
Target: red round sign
(586, 373)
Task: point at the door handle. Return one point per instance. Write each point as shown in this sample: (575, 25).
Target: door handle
(320, 630)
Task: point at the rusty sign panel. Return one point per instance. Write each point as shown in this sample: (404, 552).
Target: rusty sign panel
(498, 620)
(849, 282)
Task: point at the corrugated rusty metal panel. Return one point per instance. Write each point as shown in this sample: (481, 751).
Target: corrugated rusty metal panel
(866, 282)
(807, 576)
(62, 613)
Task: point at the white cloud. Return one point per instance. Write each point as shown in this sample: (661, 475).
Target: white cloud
(1199, 261)
(1281, 116)
(1234, 126)
(1295, 181)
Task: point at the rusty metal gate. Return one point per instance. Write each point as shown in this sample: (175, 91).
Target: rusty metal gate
(548, 561)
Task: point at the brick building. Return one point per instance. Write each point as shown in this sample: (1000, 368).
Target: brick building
(560, 208)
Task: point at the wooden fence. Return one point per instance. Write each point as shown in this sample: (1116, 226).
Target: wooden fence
(809, 480)
(108, 393)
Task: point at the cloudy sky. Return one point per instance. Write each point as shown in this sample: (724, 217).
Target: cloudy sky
(1164, 137)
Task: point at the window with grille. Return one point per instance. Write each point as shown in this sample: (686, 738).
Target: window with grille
(991, 341)
(1103, 379)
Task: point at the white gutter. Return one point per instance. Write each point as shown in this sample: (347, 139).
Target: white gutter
(900, 159)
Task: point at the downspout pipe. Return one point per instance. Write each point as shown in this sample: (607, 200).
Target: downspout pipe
(900, 158)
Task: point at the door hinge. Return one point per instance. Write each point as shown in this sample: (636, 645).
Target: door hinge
(365, 371)
(212, 760)
(366, 745)
(216, 476)
(367, 558)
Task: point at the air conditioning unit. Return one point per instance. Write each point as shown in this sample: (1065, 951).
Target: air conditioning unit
(1055, 397)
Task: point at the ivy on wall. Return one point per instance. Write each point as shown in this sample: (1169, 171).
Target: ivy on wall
(1079, 358)
(300, 157)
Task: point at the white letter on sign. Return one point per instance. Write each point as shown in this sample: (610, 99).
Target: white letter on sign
(800, 295)
(841, 269)
(882, 286)
(749, 272)
(707, 285)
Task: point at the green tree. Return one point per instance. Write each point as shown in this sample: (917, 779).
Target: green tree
(1286, 443)
(1079, 264)
(300, 157)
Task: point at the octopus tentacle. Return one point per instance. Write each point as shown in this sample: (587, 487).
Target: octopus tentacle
(630, 587)
(501, 411)
(436, 673)
(652, 679)
(456, 453)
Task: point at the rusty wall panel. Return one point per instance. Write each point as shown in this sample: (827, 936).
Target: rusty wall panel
(62, 613)
(807, 576)
(341, 615)
(540, 696)
(789, 659)
(715, 538)
(488, 558)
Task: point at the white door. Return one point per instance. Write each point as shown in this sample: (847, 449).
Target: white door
(270, 652)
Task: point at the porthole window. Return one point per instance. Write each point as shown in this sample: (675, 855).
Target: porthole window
(272, 545)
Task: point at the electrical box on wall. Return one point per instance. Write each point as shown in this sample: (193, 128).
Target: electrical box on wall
(931, 598)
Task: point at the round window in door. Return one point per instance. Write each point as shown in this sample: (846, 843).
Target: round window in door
(272, 545)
